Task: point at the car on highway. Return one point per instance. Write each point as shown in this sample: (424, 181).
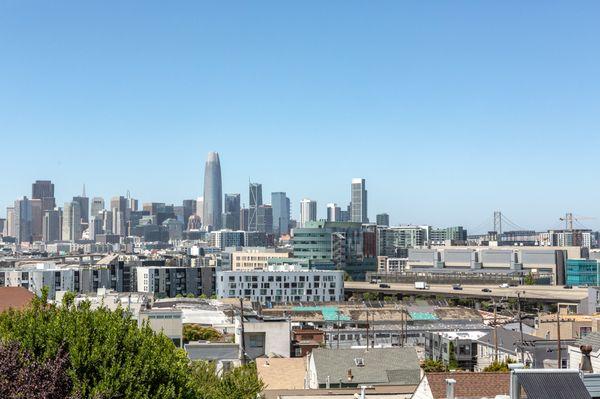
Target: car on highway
(457, 287)
(504, 285)
(486, 290)
(568, 287)
(384, 286)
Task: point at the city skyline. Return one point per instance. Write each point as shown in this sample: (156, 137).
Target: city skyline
(474, 111)
(485, 225)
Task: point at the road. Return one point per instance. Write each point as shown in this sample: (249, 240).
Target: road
(531, 292)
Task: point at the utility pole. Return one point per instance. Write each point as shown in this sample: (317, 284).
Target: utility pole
(559, 357)
(520, 326)
(338, 329)
(401, 332)
(367, 330)
(243, 339)
(373, 340)
(495, 335)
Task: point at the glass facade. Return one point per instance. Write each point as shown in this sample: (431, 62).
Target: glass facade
(583, 272)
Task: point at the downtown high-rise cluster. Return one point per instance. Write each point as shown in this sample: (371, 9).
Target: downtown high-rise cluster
(39, 218)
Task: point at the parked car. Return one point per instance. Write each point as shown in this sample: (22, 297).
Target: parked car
(384, 286)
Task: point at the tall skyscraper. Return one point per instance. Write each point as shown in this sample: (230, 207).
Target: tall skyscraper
(23, 220)
(189, 209)
(37, 216)
(383, 219)
(264, 219)
(308, 211)
(44, 191)
(334, 213)
(244, 217)
(213, 194)
(281, 213)
(10, 221)
(84, 207)
(255, 196)
(231, 214)
(358, 211)
(51, 226)
(71, 224)
(200, 208)
(97, 206)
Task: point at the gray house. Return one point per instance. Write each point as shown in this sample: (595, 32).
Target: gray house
(339, 368)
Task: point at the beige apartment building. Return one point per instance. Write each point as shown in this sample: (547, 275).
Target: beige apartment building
(254, 258)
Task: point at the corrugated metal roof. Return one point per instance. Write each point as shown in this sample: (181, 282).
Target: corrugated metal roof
(559, 385)
(592, 383)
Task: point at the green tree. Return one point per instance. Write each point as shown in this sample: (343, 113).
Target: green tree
(499, 367)
(431, 366)
(347, 277)
(109, 355)
(529, 280)
(195, 332)
(389, 298)
(452, 362)
(240, 382)
(370, 296)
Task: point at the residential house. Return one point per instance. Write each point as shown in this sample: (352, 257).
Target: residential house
(339, 368)
(463, 385)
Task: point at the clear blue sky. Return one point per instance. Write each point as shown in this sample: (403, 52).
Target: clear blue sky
(450, 110)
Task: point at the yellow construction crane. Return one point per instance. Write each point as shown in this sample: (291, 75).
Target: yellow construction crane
(569, 218)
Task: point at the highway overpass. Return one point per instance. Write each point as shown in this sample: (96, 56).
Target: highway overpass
(535, 293)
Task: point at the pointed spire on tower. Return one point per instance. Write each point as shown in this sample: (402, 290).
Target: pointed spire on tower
(83, 194)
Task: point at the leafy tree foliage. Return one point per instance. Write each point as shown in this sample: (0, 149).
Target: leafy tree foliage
(499, 367)
(370, 296)
(529, 280)
(240, 383)
(431, 366)
(452, 362)
(106, 355)
(21, 376)
(195, 332)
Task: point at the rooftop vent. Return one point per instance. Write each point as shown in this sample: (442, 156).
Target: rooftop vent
(359, 361)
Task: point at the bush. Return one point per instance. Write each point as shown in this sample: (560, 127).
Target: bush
(432, 366)
(499, 367)
(195, 332)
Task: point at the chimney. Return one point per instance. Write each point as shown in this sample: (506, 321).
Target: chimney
(350, 377)
(450, 388)
(586, 360)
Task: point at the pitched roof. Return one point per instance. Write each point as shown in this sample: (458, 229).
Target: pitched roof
(507, 339)
(563, 384)
(14, 297)
(592, 339)
(382, 366)
(212, 351)
(282, 373)
(469, 385)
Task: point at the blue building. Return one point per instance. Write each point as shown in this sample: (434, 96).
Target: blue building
(583, 272)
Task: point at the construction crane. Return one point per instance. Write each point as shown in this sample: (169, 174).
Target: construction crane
(569, 218)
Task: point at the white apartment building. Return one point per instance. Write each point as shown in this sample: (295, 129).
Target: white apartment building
(280, 284)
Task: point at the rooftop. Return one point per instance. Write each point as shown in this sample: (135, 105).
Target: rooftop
(282, 373)
(376, 366)
(469, 385)
(15, 298)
